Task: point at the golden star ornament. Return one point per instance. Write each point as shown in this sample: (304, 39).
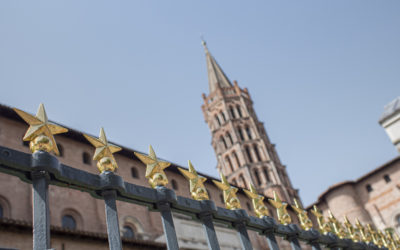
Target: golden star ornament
(281, 211)
(337, 226)
(231, 200)
(366, 236)
(196, 183)
(305, 222)
(258, 202)
(104, 152)
(40, 132)
(354, 234)
(154, 168)
(374, 235)
(324, 227)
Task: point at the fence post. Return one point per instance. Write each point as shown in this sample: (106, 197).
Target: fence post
(312, 237)
(110, 183)
(240, 225)
(293, 236)
(168, 225)
(243, 236)
(206, 217)
(41, 216)
(269, 232)
(294, 242)
(209, 229)
(315, 246)
(41, 163)
(114, 237)
(165, 197)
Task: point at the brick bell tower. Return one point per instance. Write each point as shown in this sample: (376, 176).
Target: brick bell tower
(244, 152)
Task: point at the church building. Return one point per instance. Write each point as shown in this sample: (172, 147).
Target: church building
(244, 154)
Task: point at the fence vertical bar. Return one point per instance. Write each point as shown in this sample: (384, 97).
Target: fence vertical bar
(243, 236)
(41, 216)
(209, 229)
(294, 243)
(315, 246)
(114, 237)
(168, 225)
(273, 245)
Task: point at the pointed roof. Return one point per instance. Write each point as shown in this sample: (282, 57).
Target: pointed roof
(216, 76)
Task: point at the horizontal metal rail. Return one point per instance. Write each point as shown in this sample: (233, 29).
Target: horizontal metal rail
(42, 169)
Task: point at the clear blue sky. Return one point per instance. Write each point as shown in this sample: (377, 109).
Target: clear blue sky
(319, 73)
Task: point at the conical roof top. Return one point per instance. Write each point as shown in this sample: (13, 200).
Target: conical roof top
(216, 76)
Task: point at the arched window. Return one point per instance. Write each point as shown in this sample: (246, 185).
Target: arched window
(134, 173)
(1, 212)
(217, 119)
(283, 177)
(267, 175)
(236, 159)
(248, 132)
(257, 153)
(248, 153)
(232, 112)
(387, 178)
(127, 232)
(239, 110)
(229, 137)
(248, 206)
(243, 181)
(234, 182)
(228, 161)
(240, 133)
(222, 140)
(86, 158)
(257, 176)
(222, 198)
(68, 222)
(223, 116)
(174, 184)
(398, 220)
(60, 149)
(369, 188)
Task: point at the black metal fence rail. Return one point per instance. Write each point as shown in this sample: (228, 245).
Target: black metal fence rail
(42, 169)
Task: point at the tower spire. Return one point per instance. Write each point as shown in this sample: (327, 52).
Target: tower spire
(216, 76)
(244, 152)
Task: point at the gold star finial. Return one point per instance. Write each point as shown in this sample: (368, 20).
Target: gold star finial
(390, 241)
(354, 234)
(374, 235)
(104, 152)
(197, 189)
(154, 168)
(305, 222)
(324, 227)
(396, 239)
(365, 235)
(230, 198)
(281, 210)
(383, 238)
(40, 132)
(337, 226)
(259, 207)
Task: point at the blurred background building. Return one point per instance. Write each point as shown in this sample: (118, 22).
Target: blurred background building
(374, 197)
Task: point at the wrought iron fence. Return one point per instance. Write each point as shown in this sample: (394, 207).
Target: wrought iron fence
(41, 169)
